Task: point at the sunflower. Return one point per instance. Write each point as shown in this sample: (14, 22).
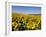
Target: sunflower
(34, 21)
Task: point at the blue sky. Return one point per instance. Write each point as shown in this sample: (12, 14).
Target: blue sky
(25, 9)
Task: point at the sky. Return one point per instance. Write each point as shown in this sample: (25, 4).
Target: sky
(25, 9)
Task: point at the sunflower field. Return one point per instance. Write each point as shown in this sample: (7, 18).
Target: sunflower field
(26, 22)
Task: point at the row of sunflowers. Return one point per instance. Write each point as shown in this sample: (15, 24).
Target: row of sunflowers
(26, 22)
